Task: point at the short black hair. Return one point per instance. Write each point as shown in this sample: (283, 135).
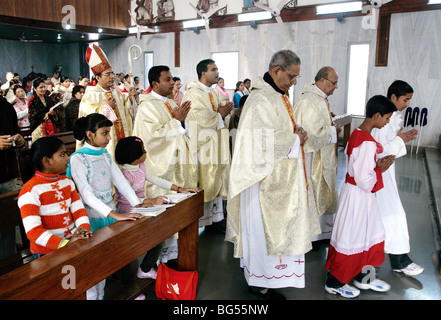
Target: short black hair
(379, 104)
(128, 150)
(399, 88)
(91, 122)
(155, 73)
(203, 66)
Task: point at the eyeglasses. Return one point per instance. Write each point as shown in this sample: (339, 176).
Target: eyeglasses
(291, 77)
(334, 83)
(109, 74)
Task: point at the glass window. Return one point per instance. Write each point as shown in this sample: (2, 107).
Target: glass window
(357, 79)
(228, 65)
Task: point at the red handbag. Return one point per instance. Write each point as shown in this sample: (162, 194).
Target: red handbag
(176, 285)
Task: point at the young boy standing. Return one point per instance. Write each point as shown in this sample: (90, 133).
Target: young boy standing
(357, 239)
(393, 140)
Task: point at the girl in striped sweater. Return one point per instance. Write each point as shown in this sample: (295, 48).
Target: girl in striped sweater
(52, 212)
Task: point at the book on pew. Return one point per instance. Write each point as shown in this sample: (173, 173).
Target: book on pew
(178, 197)
(152, 211)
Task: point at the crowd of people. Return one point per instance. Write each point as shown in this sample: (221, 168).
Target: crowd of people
(274, 183)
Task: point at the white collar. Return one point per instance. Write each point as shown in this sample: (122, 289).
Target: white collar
(322, 93)
(207, 89)
(87, 145)
(163, 99)
(103, 88)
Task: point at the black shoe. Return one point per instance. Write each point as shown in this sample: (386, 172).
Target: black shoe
(269, 295)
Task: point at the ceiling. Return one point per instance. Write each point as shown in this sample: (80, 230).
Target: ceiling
(33, 34)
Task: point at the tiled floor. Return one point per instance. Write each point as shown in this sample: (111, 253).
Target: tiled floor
(221, 278)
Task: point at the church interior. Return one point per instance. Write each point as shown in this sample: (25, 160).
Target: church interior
(369, 46)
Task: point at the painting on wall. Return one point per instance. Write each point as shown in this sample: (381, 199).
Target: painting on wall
(248, 5)
(144, 12)
(206, 5)
(166, 10)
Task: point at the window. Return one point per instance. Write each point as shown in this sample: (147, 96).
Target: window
(228, 65)
(357, 79)
(148, 61)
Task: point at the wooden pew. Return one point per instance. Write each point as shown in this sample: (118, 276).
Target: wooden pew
(68, 140)
(110, 249)
(10, 218)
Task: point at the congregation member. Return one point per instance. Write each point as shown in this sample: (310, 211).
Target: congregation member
(312, 112)
(207, 125)
(43, 119)
(21, 107)
(271, 210)
(221, 91)
(177, 94)
(83, 81)
(71, 112)
(10, 140)
(238, 93)
(105, 99)
(247, 87)
(393, 140)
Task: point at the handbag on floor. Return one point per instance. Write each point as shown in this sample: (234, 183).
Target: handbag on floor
(176, 285)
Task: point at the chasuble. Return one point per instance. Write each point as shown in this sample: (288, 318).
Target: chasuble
(264, 140)
(94, 101)
(166, 143)
(313, 114)
(209, 137)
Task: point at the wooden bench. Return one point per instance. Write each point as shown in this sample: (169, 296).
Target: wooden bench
(110, 249)
(10, 218)
(68, 140)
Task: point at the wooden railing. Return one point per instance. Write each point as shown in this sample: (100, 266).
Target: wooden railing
(68, 272)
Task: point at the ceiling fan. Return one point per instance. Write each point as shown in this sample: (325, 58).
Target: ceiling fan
(23, 39)
(207, 15)
(141, 29)
(276, 12)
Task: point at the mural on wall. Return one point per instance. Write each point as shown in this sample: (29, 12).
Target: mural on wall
(249, 5)
(166, 10)
(206, 5)
(144, 12)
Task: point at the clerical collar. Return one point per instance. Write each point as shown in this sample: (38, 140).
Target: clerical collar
(103, 88)
(163, 99)
(322, 93)
(207, 89)
(268, 79)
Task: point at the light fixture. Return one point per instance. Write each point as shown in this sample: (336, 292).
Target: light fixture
(434, 2)
(254, 16)
(100, 30)
(339, 7)
(59, 36)
(94, 36)
(68, 26)
(133, 30)
(194, 23)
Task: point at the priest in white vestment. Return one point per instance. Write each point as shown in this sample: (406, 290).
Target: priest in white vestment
(271, 210)
(312, 112)
(105, 99)
(393, 140)
(158, 123)
(209, 135)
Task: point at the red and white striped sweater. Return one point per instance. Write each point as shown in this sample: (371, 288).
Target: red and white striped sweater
(51, 209)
